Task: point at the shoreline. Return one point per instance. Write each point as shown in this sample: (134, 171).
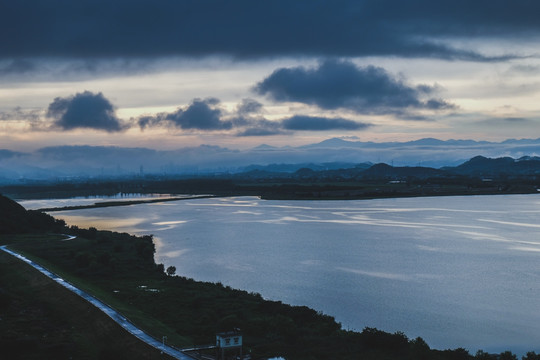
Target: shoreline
(123, 203)
(433, 199)
(296, 196)
(100, 243)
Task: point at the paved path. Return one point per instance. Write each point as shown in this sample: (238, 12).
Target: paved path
(177, 354)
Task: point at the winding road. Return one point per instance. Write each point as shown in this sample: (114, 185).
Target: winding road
(113, 314)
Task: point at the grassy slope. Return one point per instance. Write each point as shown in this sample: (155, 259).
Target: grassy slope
(40, 319)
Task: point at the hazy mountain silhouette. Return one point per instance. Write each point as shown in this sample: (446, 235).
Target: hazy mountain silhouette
(479, 167)
(70, 162)
(504, 166)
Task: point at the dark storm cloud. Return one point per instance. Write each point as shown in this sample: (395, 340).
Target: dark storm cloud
(15, 67)
(200, 115)
(313, 123)
(341, 84)
(249, 106)
(206, 115)
(247, 28)
(84, 110)
(21, 114)
(508, 122)
(261, 131)
(264, 127)
(438, 104)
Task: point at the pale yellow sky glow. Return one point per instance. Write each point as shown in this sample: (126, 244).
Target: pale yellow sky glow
(353, 83)
(479, 91)
(424, 71)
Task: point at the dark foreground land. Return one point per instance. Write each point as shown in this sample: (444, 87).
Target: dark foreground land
(39, 320)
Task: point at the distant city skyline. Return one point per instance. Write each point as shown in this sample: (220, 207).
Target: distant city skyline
(238, 74)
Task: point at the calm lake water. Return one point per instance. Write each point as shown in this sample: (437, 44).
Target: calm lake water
(457, 271)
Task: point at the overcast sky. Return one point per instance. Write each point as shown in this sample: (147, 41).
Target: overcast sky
(174, 73)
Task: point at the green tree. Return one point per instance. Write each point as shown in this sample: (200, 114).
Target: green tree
(171, 270)
(531, 355)
(419, 349)
(507, 355)
(482, 355)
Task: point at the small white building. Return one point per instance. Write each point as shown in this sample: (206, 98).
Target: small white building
(230, 340)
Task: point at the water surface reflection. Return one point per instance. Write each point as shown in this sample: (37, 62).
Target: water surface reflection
(457, 271)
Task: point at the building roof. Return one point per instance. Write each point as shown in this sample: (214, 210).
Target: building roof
(235, 332)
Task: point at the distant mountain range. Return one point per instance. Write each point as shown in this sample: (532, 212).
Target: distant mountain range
(499, 167)
(67, 162)
(336, 142)
(477, 167)
(290, 168)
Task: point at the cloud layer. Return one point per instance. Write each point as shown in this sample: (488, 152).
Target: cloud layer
(206, 115)
(342, 85)
(246, 28)
(332, 85)
(84, 110)
(200, 115)
(311, 123)
(88, 110)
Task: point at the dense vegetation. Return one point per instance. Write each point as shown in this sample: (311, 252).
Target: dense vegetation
(120, 269)
(15, 219)
(40, 319)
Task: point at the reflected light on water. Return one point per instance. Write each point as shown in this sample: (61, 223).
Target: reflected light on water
(458, 271)
(100, 223)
